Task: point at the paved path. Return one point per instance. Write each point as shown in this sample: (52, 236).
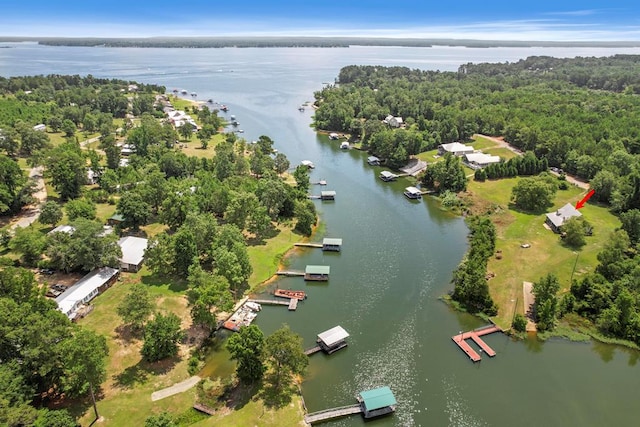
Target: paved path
(175, 389)
(529, 300)
(32, 212)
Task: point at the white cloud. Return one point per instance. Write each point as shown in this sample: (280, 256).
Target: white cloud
(551, 29)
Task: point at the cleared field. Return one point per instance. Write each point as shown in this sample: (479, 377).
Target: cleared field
(546, 254)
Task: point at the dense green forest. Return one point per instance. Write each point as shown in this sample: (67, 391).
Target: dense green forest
(577, 114)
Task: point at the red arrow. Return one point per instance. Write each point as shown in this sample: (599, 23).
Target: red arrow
(584, 200)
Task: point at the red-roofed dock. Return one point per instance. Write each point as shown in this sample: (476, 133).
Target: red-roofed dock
(475, 335)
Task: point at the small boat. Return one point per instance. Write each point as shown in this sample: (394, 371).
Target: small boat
(308, 163)
(301, 108)
(286, 293)
(253, 306)
(232, 117)
(333, 135)
(210, 101)
(184, 92)
(194, 94)
(235, 123)
(240, 131)
(224, 108)
(175, 91)
(344, 145)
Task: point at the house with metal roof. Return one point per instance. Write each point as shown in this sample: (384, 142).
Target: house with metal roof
(71, 301)
(317, 273)
(64, 228)
(132, 252)
(455, 148)
(376, 402)
(332, 340)
(556, 219)
(331, 244)
(480, 160)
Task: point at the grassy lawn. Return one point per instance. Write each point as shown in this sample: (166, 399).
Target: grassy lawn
(125, 397)
(505, 153)
(266, 257)
(126, 394)
(480, 143)
(193, 148)
(546, 254)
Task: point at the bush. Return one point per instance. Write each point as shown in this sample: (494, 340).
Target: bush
(519, 323)
(193, 365)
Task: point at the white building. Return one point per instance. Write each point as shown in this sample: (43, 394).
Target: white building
(480, 160)
(71, 301)
(132, 252)
(455, 148)
(41, 127)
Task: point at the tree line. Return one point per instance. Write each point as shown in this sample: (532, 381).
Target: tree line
(585, 127)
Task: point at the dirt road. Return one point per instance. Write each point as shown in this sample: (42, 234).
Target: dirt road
(31, 213)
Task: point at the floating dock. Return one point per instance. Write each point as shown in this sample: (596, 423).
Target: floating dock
(475, 335)
(372, 403)
(288, 293)
(293, 304)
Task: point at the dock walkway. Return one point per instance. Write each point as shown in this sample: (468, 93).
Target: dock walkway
(329, 414)
(290, 273)
(293, 304)
(269, 301)
(312, 350)
(309, 245)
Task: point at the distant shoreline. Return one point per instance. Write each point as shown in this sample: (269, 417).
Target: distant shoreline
(303, 42)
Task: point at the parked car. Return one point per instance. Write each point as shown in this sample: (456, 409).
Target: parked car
(46, 271)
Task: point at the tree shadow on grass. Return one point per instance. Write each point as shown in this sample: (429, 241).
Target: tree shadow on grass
(536, 212)
(140, 372)
(175, 284)
(277, 397)
(128, 334)
(270, 233)
(238, 394)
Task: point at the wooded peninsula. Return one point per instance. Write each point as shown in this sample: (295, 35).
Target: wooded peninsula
(575, 116)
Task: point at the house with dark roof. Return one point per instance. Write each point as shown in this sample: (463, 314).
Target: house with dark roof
(556, 219)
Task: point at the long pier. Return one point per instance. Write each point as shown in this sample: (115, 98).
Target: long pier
(269, 301)
(290, 273)
(475, 335)
(329, 414)
(309, 245)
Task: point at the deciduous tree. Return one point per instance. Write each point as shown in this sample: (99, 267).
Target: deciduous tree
(136, 307)
(284, 356)
(50, 213)
(161, 337)
(247, 348)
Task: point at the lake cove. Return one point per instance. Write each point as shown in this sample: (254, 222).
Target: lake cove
(397, 255)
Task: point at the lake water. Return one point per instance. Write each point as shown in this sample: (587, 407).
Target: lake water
(397, 256)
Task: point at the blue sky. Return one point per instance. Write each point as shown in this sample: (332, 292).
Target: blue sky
(506, 20)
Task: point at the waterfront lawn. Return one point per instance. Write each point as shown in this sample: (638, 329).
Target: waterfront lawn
(266, 257)
(193, 147)
(547, 254)
(125, 397)
(254, 412)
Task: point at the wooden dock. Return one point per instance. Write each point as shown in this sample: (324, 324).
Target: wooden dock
(309, 245)
(269, 301)
(329, 414)
(290, 273)
(312, 350)
(293, 304)
(475, 335)
(205, 409)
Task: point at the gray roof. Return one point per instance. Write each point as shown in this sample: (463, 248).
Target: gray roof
(413, 190)
(559, 217)
(331, 241)
(69, 300)
(318, 269)
(387, 174)
(333, 335)
(328, 193)
(132, 249)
